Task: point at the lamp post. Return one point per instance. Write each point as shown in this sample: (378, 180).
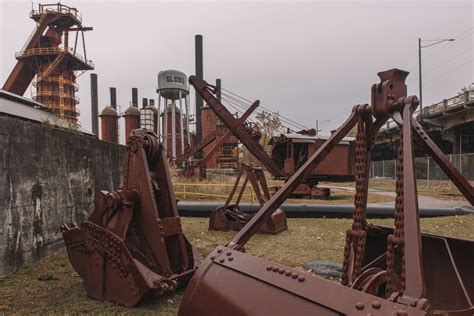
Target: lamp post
(432, 43)
(317, 125)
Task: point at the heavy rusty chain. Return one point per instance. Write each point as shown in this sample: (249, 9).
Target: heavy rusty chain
(395, 248)
(356, 236)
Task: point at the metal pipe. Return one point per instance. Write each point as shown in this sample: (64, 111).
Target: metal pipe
(199, 74)
(296, 210)
(173, 130)
(165, 124)
(94, 105)
(158, 125)
(135, 97)
(181, 121)
(113, 98)
(186, 101)
(419, 80)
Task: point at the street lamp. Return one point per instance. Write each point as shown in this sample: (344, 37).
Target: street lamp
(432, 43)
(317, 125)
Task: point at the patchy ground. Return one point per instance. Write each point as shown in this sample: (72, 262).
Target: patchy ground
(306, 240)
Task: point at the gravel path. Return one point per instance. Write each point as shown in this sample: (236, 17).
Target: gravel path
(423, 200)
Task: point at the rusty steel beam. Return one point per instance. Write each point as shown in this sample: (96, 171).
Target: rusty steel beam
(237, 127)
(422, 138)
(296, 179)
(190, 152)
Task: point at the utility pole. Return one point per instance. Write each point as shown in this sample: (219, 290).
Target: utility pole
(434, 42)
(419, 81)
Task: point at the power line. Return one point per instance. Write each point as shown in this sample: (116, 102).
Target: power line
(282, 118)
(458, 38)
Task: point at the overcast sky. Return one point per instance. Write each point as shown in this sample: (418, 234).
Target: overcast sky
(309, 60)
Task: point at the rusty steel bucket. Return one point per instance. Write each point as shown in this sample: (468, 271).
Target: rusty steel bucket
(232, 218)
(132, 245)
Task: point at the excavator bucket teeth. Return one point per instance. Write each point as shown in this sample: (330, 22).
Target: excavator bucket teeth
(232, 218)
(132, 245)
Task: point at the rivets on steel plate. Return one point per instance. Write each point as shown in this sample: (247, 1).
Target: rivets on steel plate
(376, 304)
(269, 268)
(301, 278)
(359, 305)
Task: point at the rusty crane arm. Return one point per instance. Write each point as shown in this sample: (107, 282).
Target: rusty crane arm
(237, 127)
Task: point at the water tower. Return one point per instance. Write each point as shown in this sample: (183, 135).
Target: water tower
(173, 87)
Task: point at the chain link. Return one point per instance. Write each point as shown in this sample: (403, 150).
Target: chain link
(356, 236)
(395, 248)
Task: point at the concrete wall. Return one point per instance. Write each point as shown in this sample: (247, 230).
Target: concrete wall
(48, 177)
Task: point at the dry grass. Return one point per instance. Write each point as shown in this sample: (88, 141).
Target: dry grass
(218, 189)
(306, 240)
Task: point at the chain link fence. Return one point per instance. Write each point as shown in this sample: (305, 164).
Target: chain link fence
(426, 168)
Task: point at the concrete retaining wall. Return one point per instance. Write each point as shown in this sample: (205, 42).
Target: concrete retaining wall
(48, 177)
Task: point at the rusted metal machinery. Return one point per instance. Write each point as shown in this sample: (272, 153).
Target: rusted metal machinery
(238, 127)
(283, 163)
(132, 245)
(386, 271)
(230, 217)
(48, 56)
(291, 150)
(200, 164)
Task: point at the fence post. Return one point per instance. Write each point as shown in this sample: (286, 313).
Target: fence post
(395, 169)
(383, 168)
(428, 172)
(184, 191)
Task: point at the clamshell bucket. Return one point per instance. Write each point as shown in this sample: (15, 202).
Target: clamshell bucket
(132, 245)
(386, 271)
(230, 217)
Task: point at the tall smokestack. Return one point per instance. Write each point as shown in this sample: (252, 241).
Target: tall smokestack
(94, 105)
(113, 98)
(151, 102)
(199, 74)
(218, 89)
(144, 102)
(135, 97)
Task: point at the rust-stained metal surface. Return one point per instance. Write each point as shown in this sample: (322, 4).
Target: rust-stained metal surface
(386, 271)
(230, 217)
(132, 245)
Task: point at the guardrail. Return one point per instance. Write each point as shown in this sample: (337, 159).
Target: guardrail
(56, 8)
(183, 189)
(53, 50)
(452, 103)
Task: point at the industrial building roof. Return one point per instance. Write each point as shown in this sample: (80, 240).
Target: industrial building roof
(299, 138)
(15, 105)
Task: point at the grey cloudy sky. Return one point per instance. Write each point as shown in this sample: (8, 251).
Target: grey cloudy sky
(307, 60)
